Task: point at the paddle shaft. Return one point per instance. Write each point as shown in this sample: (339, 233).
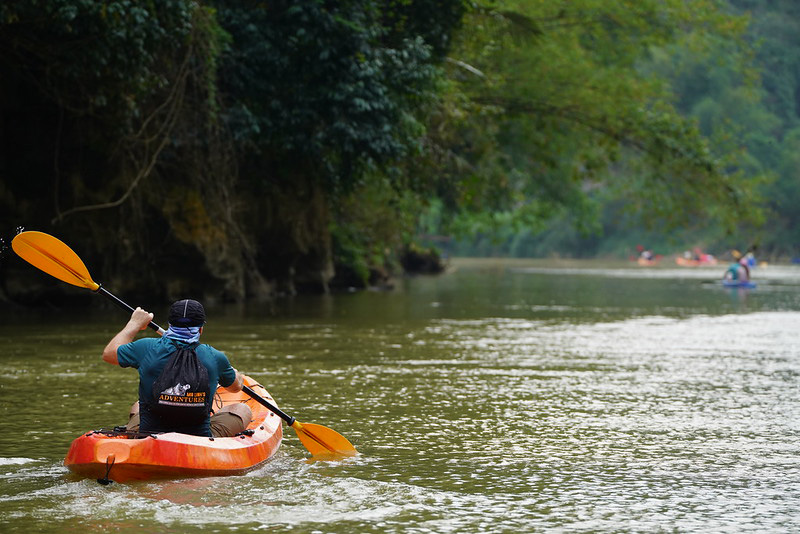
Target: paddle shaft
(126, 306)
(274, 409)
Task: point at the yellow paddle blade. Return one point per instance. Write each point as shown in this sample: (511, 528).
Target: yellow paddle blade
(52, 256)
(322, 442)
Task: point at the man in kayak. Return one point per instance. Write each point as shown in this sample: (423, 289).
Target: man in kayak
(154, 357)
(738, 271)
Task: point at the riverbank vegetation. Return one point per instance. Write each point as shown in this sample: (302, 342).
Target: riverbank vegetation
(241, 150)
(743, 95)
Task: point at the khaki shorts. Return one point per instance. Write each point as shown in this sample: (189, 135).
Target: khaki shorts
(225, 422)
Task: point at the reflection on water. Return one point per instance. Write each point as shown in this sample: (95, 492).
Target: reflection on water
(498, 398)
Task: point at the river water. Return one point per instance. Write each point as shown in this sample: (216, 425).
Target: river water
(504, 396)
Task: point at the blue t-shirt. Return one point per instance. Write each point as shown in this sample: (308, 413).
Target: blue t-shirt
(150, 355)
(735, 269)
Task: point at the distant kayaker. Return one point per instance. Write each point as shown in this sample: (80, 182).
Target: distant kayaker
(178, 360)
(737, 271)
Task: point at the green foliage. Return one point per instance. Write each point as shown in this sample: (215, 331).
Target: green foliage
(775, 30)
(432, 20)
(94, 57)
(749, 99)
(276, 114)
(637, 110)
(369, 230)
(785, 196)
(572, 112)
(107, 96)
(325, 86)
(274, 140)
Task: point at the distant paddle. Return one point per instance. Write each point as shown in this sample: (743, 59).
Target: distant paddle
(52, 256)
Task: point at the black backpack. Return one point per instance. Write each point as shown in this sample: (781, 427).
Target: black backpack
(181, 394)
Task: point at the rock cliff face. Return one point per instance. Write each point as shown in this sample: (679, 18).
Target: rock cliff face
(164, 245)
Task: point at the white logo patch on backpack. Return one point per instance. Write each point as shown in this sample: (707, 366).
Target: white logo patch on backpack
(177, 390)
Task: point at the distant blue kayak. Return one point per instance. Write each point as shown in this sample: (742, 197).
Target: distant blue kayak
(739, 283)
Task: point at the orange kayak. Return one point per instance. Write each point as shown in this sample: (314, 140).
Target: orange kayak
(121, 456)
(687, 262)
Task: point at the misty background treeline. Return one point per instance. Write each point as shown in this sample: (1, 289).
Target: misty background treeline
(237, 149)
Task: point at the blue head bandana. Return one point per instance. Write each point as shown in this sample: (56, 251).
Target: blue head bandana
(188, 334)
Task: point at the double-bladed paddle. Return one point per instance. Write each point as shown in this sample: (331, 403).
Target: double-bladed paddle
(54, 257)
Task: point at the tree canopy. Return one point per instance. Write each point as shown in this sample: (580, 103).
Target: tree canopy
(733, 80)
(243, 149)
